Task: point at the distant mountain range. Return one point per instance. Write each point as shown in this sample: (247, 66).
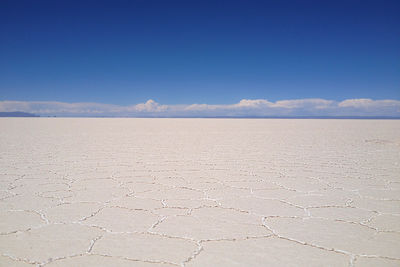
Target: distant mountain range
(17, 114)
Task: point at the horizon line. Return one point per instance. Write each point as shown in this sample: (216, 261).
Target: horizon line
(20, 114)
(245, 108)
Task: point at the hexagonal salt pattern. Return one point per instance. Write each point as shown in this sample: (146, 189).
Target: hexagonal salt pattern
(199, 192)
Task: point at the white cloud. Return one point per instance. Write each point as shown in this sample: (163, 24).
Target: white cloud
(246, 107)
(150, 106)
(249, 103)
(368, 103)
(303, 103)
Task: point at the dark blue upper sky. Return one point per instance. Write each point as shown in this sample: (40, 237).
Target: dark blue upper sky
(125, 52)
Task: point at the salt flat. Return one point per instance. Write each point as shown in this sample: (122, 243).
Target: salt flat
(199, 192)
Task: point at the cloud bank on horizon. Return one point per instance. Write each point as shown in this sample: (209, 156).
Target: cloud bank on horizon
(245, 108)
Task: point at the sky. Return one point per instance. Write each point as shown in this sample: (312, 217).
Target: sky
(195, 58)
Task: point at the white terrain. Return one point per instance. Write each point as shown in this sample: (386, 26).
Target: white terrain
(199, 192)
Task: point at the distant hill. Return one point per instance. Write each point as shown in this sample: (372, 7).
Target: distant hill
(17, 114)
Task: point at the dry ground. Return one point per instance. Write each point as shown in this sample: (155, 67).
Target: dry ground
(199, 192)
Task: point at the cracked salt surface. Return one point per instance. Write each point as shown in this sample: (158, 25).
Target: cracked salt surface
(199, 192)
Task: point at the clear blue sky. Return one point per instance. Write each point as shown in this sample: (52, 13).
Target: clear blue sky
(176, 52)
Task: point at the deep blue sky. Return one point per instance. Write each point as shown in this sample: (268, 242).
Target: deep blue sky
(125, 52)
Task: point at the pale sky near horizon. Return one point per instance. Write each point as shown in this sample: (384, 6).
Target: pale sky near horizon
(199, 58)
